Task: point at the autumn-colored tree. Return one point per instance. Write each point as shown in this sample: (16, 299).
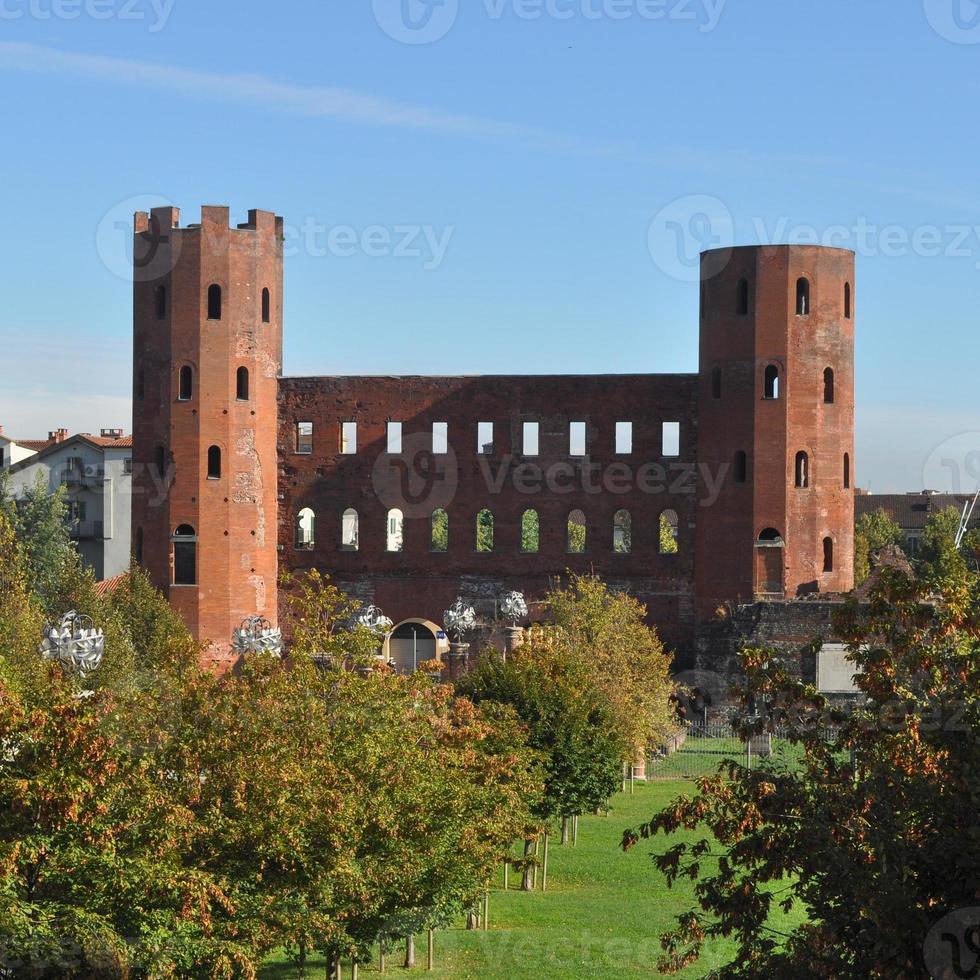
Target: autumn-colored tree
(872, 532)
(873, 834)
(668, 536)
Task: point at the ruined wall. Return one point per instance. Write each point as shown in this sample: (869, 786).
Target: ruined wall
(417, 582)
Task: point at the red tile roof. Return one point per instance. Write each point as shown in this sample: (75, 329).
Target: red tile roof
(109, 585)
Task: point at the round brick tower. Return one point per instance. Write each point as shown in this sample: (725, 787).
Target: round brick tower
(207, 332)
(775, 424)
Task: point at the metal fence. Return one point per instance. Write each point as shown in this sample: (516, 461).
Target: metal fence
(701, 748)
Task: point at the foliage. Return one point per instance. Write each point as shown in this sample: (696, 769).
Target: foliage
(872, 532)
(874, 834)
(484, 531)
(668, 537)
(530, 532)
(440, 531)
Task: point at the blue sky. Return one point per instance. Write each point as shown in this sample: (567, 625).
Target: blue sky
(496, 199)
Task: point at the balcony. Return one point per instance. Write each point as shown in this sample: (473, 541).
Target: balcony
(86, 530)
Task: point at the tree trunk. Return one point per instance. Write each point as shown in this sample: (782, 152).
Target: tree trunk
(564, 830)
(431, 959)
(409, 952)
(575, 831)
(382, 963)
(526, 882)
(302, 958)
(472, 921)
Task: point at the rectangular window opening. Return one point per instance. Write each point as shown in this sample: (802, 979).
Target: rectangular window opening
(440, 438)
(484, 439)
(394, 437)
(531, 441)
(576, 439)
(672, 439)
(348, 438)
(304, 438)
(624, 438)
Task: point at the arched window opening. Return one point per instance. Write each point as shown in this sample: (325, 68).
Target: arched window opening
(847, 301)
(742, 298)
(716, 383)
(576, 533)
(771, 536)
(772, 382)
(138, 546)
(741, 467)
(828, 386)
(396, 531)
(802, 470)
(160, 302)
(669, 532)
(802, 297)
(161, 462)
(530, 532)
(266, 306)
(350, 525)
(241, 384)
(440, 532)
(828, 554)
(623, 533)
(847, 471)
(185, 555)
(305, 530)
(484, 532)
(185, 386)
(214, 302)
(214, 463)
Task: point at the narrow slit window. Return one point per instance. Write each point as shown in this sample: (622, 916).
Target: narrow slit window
(669, 532)
(304, 438)
(802, 470)
(241, 384)
(847, 301)
(828, 386)
(394, 437)
(305, 530)
(185, 555)
(671, 439)
(530, 532)
(716, 383)
(161, 461)
(531, 443)
(266, 306)
(185, 384)
(772, 383)
(484, 532)
(847, 471)
(484, 438)
(828, 554)
(160, 302)
(396, 531)
(622, 533)
(624, 438)
(742, 298)
(576, 533)
(802, 297)
(576, 439)
(741, 467)
(350, 526)
(440, 438)
(138, 546)
(214, 463)
(348, 438)
(440, 532)
(214, 302)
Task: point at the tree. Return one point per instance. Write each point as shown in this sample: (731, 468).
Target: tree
(440, 531)
(668, 536)
(872, 532)
(938, 555)
(530, 532)
(484, 531)
(870, 831)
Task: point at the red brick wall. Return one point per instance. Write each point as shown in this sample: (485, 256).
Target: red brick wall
(236, 516)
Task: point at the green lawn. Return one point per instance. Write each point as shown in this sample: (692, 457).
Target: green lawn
(601, 917)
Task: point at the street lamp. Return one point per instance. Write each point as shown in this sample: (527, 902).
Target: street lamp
(257, 635)
(74, 643)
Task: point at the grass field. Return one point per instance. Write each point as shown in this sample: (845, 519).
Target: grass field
(601, 917)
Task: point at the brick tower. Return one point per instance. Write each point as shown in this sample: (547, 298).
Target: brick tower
(775, 424)
(207, 332)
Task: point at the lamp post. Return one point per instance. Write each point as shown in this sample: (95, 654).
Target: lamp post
(256, 636)
(513, 605)
(458, 621)
(75, 644)
(374, 621)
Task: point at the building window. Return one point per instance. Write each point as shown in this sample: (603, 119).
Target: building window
(576, 439)
(772, 383)
(622, 533)
(484, 532)
(266, 306)
(185, 555)
(828, 386)
(669, 532)
(394, 437)
(160, 302)
(741, 467)
(304, 438)
(138, 546)
(828, 554)
(396, 532)
(161, 461)
(350, 525)
(214, 463)
(439, 542)
(128, 466)
(671, 439)
(531, 441)
(716, 383)
(742, 298)
(185, 384)
(348, 438)
(771, 536)
(530, 532)
(576, 533)
(241, 384)
(802, 470)
(802, 297)
(847, 301)
(440, 438)
(847, 471)
(484, 438)
(305, 530)
(624, 438)
(214, 302)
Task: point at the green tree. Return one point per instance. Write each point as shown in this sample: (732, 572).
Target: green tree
(668, 536)
(870, 833)
(440, 531)
(872, 532)
(484, 531)
(938, 555)
(530, 532)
